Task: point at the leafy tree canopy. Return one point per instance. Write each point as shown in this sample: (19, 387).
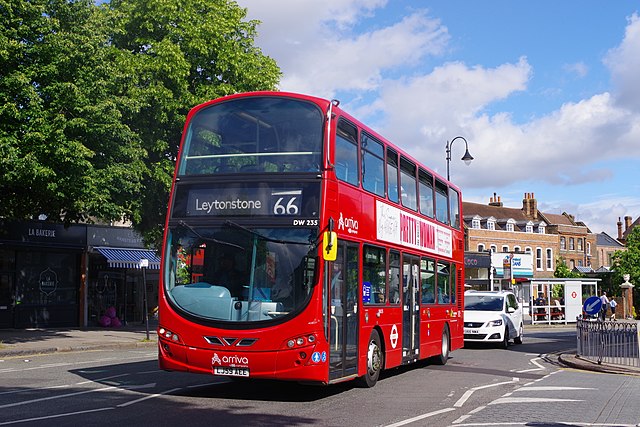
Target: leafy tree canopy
(93, 99)
(628, 261)
(563, 270)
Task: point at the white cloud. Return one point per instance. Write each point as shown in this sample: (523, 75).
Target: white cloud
(624, 63)
(384, 78)
(319, 54)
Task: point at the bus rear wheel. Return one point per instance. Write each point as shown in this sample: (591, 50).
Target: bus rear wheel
(442, 358)
(374, 360)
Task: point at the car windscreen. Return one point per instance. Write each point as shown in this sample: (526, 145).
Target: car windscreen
(483, 302)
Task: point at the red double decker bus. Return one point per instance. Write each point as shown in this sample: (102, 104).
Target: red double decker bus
(301, 245)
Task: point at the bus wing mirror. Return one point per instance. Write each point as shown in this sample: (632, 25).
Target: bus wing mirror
(329, 246)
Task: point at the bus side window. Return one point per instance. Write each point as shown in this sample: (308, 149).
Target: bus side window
(373, 275)
(454, 208)
(372, 165)
(346, 161)
(408, 184)
(392, 175)
(426, 193)
(393, 276)
(442, 202)
(443, 279)
(428, 280)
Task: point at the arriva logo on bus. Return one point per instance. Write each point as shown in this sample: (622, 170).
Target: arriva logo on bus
(348, 224)
(234, 360)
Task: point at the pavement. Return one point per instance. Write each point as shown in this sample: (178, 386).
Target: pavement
(30, 342)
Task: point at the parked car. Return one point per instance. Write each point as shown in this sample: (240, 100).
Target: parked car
(492, 317)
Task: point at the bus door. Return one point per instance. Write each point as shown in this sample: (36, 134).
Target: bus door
(410, 308)
(343, 300)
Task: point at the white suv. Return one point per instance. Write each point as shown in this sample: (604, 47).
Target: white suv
(492, 317)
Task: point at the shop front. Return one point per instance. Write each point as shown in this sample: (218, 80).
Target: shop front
(478, 274)
(116, 288)
(53, 276)
(40, 274)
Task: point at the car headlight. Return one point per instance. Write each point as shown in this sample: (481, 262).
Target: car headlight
(495, 323)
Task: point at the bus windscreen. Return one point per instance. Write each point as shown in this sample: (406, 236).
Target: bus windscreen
(264, 134)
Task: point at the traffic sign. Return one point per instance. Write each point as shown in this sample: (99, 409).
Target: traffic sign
(592, 305)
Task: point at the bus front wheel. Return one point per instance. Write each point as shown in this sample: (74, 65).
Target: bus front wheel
(374, 360)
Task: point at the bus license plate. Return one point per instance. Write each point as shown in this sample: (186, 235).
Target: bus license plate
(231, 372)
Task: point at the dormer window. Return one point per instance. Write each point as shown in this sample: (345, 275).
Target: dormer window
(511, 225)
(491, 223)
(542, 228)
(528, 228)
(475, 223)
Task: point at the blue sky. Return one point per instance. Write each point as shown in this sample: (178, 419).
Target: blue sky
(545, 92)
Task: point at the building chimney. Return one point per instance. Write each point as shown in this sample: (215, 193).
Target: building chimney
(627, 223)
(619, 229)
(525, 204)
(533, 204)
(495, 201)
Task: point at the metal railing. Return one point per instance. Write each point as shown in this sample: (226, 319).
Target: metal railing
(614, 342)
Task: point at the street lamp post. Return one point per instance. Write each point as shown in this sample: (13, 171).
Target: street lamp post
(467, 157)
(144, 263)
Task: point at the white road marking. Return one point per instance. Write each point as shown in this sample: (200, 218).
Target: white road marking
(553, 388)
(421, 417)
(27, 402)
(467, 394)
(48, 417)
(535, 362)
(568, 423)
(503, 400)
(153, 396)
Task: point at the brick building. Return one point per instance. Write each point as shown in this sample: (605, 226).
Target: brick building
(605, 247)
(546, 236)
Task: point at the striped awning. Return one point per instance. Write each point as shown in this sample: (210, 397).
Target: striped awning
(129, 258)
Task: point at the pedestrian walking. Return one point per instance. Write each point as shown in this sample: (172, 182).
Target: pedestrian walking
(612, 305)
(605, 305)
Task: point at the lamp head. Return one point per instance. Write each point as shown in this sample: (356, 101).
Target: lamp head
(467, 158)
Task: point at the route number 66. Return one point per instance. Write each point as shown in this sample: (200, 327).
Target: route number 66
(286, 207)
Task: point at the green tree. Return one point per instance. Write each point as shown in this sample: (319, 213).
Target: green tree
(182, 53)
(93, 99)
(628, 262)
(64, 151)
(563, 270)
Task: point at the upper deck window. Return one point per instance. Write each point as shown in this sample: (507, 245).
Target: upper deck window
(454, 208)
(426, 193)
(347, 152)
(408, 184)
(392, 175)
(372, 165)
(442, 202)
(254, 134)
